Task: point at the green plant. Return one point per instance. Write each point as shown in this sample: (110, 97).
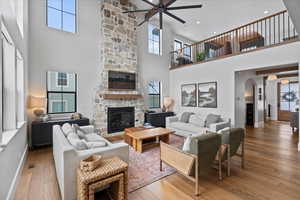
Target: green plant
(200, 56)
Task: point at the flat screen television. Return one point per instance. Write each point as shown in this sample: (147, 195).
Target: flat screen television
(121, 80)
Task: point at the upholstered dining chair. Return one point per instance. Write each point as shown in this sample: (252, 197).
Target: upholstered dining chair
(233, 145)
(202, 154)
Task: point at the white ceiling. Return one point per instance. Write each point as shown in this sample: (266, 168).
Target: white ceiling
(216, 15)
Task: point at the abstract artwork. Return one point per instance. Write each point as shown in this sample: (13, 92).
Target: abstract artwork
(189, 95)
(207, 95)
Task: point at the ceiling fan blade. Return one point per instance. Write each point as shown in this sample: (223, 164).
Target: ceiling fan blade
(150, 3)
(140, 24)
(132, 11)
(160, 20)
(168, 2)
(184, 7)
(175, 17)
(151, 13)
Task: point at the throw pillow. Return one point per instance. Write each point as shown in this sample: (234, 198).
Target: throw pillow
(212, 119)
(187, 144)
(80, 132)
(185, 117)
(77, 143)
(93, 137)
(197, 120)
(67, 128)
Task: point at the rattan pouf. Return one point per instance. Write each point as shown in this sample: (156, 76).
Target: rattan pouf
(112, 171)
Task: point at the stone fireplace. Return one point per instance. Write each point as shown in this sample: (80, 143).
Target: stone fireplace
(118, 53)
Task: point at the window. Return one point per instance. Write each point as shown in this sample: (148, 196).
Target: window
(187, 50)
(20, 90)
(154, 40)
(61, 14)
(154, 92)
(289, 95)
(177, 45)
(61, 92)
(62, 79)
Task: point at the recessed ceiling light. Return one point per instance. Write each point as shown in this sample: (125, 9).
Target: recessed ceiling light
(266, 12)
(197, 22)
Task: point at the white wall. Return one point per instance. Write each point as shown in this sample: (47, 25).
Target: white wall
(55, 50)
(271, 95)
(223, 71)
(293, 9)
(11, 155)
(153, 67)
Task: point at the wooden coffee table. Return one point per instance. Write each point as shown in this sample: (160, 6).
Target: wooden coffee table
(136, 136)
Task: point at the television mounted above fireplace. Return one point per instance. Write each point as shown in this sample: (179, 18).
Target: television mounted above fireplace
(121, 80)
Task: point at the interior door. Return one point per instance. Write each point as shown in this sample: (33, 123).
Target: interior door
(288, 94)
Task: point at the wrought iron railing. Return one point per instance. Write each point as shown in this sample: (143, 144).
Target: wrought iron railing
(266, 32)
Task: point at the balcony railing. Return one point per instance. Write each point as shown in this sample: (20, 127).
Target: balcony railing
(266, 32)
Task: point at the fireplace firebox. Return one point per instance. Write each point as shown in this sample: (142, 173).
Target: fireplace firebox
(119, 118)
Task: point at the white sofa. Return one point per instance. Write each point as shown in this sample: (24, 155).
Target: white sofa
(195, 126)
(67, 159)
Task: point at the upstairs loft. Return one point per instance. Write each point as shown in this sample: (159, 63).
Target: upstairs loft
(274, 30)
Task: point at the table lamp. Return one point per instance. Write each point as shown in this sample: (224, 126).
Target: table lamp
(168, 104)
(38, 105)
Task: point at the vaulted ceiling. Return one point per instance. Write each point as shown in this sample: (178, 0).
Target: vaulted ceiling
(216, 16)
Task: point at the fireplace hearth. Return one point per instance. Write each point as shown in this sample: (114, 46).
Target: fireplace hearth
(120, 118)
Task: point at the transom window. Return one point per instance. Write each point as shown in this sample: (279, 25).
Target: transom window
(61, 92)
(62, 79)
(154, 40)
(61, 14)
(154, 92)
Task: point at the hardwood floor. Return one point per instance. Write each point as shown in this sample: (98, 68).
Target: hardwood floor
(272, 172)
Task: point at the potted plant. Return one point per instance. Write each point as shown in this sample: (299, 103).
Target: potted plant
(200, 56)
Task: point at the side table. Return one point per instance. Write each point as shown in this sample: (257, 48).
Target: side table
(113, 171)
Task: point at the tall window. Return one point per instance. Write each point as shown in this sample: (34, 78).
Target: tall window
(187, 50)
(62, 92)
(154, 92)
(177, 45)
(154, 40)
(61, 14)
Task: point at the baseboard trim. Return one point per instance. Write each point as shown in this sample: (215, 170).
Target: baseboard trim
(260, 124)
(13, 186)
(299, 147)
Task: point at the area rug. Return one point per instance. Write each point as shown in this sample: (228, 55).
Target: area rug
(144, 167)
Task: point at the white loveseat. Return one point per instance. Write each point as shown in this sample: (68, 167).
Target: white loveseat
(196, 125)
(67, 159)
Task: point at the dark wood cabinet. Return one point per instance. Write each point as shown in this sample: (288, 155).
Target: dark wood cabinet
(157, 119)
(41, 132)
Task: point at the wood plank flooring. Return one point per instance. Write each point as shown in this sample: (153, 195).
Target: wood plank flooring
(272, 172)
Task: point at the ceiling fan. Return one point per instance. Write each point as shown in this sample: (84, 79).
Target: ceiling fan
(163, 7)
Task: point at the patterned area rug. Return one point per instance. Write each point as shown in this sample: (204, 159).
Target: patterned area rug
(144, 167)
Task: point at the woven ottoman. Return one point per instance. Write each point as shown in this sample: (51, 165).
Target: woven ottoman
(112, 171)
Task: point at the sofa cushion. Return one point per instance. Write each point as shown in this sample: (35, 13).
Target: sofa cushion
(197, 120)
(185, 117)
(212, 119)
(93, 137)
(187, 146)
(98, 144)
(76, 142)
(66, 129)
(80, 132)
(188, 127)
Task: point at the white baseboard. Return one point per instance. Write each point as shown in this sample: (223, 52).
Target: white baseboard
(299, 147)
(14, 184)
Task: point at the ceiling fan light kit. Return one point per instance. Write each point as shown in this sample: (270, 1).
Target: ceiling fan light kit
(163, 7)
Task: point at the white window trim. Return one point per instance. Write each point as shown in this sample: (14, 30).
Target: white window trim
(190, 47)
(54, 100)
(160, 41)
(61, 30)
(182, 43)
(56, 80)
